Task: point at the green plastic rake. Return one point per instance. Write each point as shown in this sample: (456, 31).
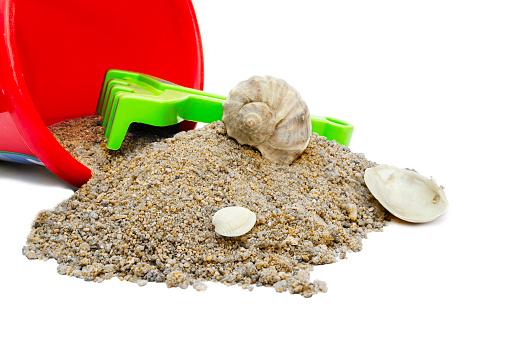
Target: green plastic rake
(129, 97)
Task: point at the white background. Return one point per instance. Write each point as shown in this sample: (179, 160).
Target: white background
(427, 86)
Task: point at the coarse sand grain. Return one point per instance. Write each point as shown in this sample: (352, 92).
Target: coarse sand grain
(146, 213)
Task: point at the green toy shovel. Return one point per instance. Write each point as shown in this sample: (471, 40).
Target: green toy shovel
(128, 97)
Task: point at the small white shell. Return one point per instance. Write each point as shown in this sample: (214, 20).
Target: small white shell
(406, 194)
(233, 221)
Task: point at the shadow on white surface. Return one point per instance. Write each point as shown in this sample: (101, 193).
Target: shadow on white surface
(32, 174)
(401, 222)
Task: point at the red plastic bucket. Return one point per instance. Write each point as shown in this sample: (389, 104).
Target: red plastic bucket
(54, 55)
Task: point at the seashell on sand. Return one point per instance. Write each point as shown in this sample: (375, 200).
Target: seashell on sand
(406, 194)
(233, 221)
(267, 113)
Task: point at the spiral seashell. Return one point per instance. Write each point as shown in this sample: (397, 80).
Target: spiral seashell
(267, 113)
(233, 221)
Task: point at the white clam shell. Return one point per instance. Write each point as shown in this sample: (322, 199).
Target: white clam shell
(406, 194)
(233, 221)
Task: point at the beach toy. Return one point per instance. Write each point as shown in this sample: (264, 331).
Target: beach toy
(54, 55)
(128, 97)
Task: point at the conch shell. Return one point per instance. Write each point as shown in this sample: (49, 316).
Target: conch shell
(233, 221)
(267, 113)
(406, 194)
